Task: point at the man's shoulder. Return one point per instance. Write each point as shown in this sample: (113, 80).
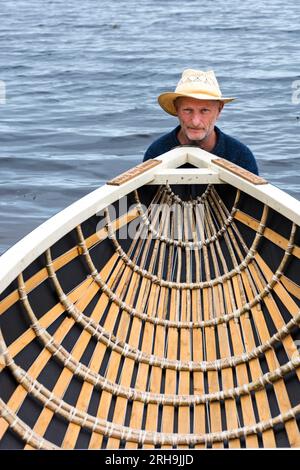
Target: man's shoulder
(235, 143)
(239, 153)
(161, 145)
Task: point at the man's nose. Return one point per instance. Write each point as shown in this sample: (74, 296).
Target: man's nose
(197, 120)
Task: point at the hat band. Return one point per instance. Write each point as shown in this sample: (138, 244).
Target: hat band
(199, 92)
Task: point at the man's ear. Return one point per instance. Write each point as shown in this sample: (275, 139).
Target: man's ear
(221, 106)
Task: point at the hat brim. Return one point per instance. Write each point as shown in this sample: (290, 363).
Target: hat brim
(166, 100)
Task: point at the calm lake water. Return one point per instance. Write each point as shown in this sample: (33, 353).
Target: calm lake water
(81, 81)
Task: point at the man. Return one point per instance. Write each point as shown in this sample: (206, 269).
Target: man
(198, 102)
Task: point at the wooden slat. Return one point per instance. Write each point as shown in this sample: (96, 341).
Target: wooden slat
(263, 406)
(66, 258)
(47, 320)
(279, 386)
(236, 255)
(222, 300)
(127, 370)
(66, 375)
(290, 286)
(269, 234)
(197, 315)
(128, 366)
(36, 368)
(213, 409)
(112, 366)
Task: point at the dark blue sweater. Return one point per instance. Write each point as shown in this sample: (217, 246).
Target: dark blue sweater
(226, 147)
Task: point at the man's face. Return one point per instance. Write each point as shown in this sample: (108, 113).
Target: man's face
(197, 117)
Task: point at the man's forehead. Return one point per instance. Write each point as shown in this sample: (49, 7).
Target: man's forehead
(186, 101)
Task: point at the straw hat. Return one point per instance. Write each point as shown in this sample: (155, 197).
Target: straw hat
(193, 84)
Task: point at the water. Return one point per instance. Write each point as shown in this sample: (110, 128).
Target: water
(82, 80)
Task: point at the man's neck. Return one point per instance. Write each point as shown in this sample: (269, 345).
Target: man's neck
(206, 144)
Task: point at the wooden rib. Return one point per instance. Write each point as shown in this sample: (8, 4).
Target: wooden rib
(63, 381)
(290, 286)
(170, 375)
(65, 258)
(48, 318)
(241, 172)
(84, 398)
(236, 328)
(36, 368)
(270, 234)
(224, 301)
(112, 366)
(172, 335)
(263, 406)
(279, 386)
(213, 409)
(105, 398)
(66, 375)
(289, 303)
(141, 380)
(241, 369)
(256, 372)
(160, 333)
(184, 424)
(197, 315)
(114, 363)
(143, 371)
(128, 365)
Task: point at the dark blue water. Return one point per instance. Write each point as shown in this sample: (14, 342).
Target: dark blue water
(82, 80)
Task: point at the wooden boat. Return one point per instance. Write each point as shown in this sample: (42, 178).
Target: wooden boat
(161, 310)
